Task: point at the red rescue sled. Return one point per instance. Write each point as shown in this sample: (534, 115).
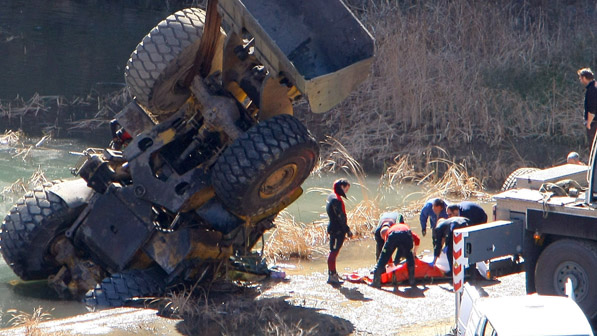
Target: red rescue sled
(399, 273)
(422, 271)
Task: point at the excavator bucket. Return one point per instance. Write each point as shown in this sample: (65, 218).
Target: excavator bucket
(319, 45)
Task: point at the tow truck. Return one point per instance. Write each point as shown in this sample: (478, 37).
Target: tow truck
(546, 227)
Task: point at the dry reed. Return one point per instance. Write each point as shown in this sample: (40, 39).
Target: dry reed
(53, 113)
(469, 76)
(290, 238)
(30, 322)
(11, 138)
(19, 187)
(296, 239)
(237, 315)
(400, 171)
(457, 183)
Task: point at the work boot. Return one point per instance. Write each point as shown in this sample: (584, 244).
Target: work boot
(411, 276)
(334, 279)
(376, 283)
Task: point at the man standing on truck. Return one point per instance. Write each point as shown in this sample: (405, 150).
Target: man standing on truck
(473, 211)
(443, 235)
(398, 237)
(433, 209)
(586, 77)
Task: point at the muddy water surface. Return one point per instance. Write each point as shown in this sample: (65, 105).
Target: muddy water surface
(70, 47)
(54, 158)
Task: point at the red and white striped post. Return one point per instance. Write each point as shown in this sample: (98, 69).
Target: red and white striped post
(460, 264)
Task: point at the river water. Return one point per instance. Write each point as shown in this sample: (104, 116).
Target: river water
(70, 47)
(67, 48)
(54, 159)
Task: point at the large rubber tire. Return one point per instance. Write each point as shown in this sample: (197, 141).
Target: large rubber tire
(576, 259)
(29, 229)
(161, 61)
(263, 165)
(510, 182)
(117, 289)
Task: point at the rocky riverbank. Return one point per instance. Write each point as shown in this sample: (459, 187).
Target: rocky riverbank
(303, 303)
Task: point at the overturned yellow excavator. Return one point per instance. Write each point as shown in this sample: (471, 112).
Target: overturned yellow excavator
(202, 160)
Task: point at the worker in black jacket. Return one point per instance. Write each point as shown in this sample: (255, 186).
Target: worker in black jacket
(338, 226)
(443, 235)
(473, 211)
(587, 79)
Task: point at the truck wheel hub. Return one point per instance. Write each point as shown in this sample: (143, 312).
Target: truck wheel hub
(574, 272)
(278, 181)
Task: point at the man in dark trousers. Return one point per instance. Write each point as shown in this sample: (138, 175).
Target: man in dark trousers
(338, 226)
(433, 210)
(473, 211)
(389, 219)
(443, 235)
(587, 79)
(401, 239)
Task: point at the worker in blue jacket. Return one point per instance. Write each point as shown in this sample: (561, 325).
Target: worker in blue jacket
(473, 211)
(433, 209)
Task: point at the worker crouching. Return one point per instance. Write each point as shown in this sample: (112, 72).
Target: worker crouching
(399, 238)
(443, 235)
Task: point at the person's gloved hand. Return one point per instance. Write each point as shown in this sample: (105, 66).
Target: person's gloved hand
(424, 232)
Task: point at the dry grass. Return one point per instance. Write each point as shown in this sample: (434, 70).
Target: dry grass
(107, 107)
(35, 106)
(11, 138)
(301, 240)
(19, 187)
(238, 315)
(55, 113)
(30, 322)
(293, 239)
(475, 77)
(469, 76)
(456, 183)
(363, 217)
(400, 171)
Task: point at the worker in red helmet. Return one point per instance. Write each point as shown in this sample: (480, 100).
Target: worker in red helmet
(398, 237)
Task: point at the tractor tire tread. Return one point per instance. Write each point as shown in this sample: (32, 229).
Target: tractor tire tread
(19, 229)
(119, 288)
(241, 163)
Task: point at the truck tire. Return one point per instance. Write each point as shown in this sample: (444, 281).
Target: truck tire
(265, 164)
(117, 289)
(29, 229)
(510, 182)
(155, 70)
(572, 258)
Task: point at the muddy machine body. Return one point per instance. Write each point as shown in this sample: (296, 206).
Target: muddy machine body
(202, 160)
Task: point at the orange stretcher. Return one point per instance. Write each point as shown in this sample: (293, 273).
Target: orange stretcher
(399, 273)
